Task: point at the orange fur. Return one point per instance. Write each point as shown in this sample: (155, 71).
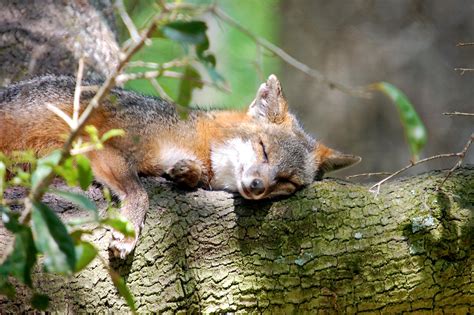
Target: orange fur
(213, 129)
(322, 153)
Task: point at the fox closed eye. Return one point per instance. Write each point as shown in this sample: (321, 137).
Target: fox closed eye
(288, 182)
(265, 155)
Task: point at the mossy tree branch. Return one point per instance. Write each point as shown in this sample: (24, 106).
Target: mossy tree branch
(333, 247)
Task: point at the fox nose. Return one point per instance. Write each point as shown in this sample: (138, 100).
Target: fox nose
(257, 187)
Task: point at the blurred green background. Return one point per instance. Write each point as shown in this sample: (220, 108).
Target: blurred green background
(236, 53)
(410, 44)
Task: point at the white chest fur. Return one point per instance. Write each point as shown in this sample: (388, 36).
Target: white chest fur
(229, 161)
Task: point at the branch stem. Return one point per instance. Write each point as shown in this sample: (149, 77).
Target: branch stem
(38, 191)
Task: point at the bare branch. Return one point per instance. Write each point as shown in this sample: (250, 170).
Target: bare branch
(127, 21)
(38, 191)
(122, 78)
(458, 114)
(259, 62)
(360, 92)
(463, 70)
(77, 93)
(461, 155)
(167, 65)
(159, 89)
(61, 114)
(376, 187)
(368, 175)
(464, 44)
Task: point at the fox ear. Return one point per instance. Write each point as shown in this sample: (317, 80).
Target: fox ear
(269, 105)
(328, 160)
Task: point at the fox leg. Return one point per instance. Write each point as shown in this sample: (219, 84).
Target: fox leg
(180, 165)
(111, 168)
(187, 173)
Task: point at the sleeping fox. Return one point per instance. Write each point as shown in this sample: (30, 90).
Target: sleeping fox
(260, 153)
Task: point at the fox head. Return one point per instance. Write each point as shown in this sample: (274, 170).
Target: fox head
(268, 154)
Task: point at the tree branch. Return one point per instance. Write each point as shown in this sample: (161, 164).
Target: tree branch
(330, 247)
(376, 187)
(458, 114)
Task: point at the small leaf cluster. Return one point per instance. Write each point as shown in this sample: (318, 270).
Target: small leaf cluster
(41, 233)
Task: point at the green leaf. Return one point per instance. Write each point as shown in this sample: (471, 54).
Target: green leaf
(10, 219)
(84, 171)
(186, 32)
(204, 55)
(121, 224)
(40, 301)
(214, 75)
(52, 240)
(122, 288)
(80, 200)
(45, 167)
(187, 85)
(77, 234)
(76, 170)
(85, 253)
(415, 131)
(6, 288)
(67, 170)
(22, 259)
(3, 173)
(93, 133)
(112, 133)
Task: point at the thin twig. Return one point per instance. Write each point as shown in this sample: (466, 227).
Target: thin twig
(262, 42)
(368, 175)
(122, 78)
(77, 92)
(259, 62)
(127, 21)
(178, 75)
(157, 66)
(61, 114)
(464, 44)
(463, 70)
(376, 187)
(287, 57)
(159, 89)
(458, 114)
(461, 155)
(82, 150)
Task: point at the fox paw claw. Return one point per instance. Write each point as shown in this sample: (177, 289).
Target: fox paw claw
(121, 246)
(186, 173)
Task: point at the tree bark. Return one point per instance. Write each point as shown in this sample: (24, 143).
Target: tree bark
(332, 248)
(47, 36)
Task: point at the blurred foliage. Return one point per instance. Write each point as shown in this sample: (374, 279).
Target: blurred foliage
(59, 243)
(414, 129)
(237, 55)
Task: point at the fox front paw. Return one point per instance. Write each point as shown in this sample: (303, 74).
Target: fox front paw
(121, 246)
(186, 173)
